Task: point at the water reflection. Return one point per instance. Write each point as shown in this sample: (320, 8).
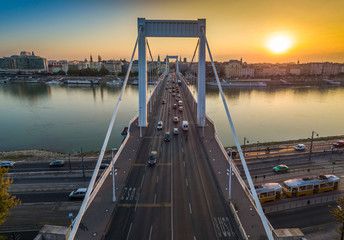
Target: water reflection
(66, 117)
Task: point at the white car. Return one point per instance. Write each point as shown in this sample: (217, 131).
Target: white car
(175, 131)
(175, 119)
(159, 125)
(300, 147)
(6, 164)
(78, 194)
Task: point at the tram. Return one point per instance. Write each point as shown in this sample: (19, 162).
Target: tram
(269, 192)
(307, 186)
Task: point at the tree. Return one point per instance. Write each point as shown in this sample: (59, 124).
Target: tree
(7, 201)
(338, 213)
(61, 72)
(103, 71)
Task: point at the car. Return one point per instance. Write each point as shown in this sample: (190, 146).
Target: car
(159, 125)
(6, 164)
(80, 193)
(163, 101)
(173, 94)
(180, 103)
(300, 147)
(152, 158)
(175, 131)
(180, 109)
(338, 144)
(167, 137)
(169, 91)
(174, 106)
(103, 165)
(281, 168)
(57, 163)
(175, 119)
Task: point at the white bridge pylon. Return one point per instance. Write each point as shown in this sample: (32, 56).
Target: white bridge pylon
(171, 28)
(167, 64)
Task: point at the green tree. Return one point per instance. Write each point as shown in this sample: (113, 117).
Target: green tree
(61, 72)
(103, 71)
(7, 201)
(338, 213)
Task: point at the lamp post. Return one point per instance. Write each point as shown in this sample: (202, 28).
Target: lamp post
(114, 172)
(310, 149)
(229, 173)
(245, 140)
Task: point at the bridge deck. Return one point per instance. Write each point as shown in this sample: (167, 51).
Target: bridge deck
(183, 197)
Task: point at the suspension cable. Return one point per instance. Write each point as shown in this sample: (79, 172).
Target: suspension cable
(193, 59)
(76, 223)
(242, 158)
(150, 53)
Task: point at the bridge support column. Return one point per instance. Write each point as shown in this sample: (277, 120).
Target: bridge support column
(201, 77)
(142, 75)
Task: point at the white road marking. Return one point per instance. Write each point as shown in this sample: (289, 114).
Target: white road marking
(186, 181)
(182, 149)
(132, 194)
(150, 233)
(137, 201)
(129, 230)
(143, 177)
(125, 191)
(129, 191)
(184, 164)
(157, 179)
(190, 208)
(154, 198)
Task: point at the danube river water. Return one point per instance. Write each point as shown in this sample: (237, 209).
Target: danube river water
(68, 118)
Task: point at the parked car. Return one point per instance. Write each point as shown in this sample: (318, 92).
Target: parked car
(78, 194)
(175, 119)
(300, 147)
(103, 165)
(159, 125)
(57, 163)
(6, 164)
(338, 144)
(281, 168)
(175, 131)
(167, 137)
(152, 158)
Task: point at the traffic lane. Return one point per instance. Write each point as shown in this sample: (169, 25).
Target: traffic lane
(34, 197)
(40, 180)
(302, 217)
(44, 166)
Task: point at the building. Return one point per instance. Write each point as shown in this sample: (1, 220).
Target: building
(55, 66)
(26, 61)
(233, 68)
(113, 66)
(247, 71)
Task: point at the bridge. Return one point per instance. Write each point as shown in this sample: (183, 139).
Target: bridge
(194, 191)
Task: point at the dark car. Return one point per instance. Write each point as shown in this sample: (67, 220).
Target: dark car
(167, 137)
(103, 165)
(152, 158)
(57, 163)
(338, 144)
(163, 101)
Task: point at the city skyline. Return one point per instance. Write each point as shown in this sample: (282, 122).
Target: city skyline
(57, 30)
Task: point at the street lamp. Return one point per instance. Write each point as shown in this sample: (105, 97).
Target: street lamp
(229, 173)
(114, 172)
(310, 149)
(245, 140)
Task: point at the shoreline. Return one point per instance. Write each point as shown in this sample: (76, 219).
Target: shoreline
(40, 154)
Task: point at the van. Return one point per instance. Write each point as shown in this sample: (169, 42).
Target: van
(185, 125)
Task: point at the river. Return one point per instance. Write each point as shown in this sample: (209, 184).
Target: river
(68, 118)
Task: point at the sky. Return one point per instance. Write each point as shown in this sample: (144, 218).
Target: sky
(74, 29)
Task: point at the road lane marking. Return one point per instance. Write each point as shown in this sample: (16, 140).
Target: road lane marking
(131, 224)
(150, 233)
(125, 191)
(154, 198)
(137, 200)
(182, 149)
(129, 191)
(186, 181)
(184, 164)
(145, 205)
(157, 179)
(132, 194)
(143, 177)
(190, 208)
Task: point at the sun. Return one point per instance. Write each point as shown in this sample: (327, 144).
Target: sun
(279, 44)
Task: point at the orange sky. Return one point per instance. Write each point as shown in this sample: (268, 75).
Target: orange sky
(234, 28)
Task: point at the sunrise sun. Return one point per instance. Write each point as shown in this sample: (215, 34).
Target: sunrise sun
(279, 44)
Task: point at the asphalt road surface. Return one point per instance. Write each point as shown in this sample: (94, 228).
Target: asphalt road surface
(177, 198)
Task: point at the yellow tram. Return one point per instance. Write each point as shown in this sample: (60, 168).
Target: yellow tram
(308, 186)
(269, 192)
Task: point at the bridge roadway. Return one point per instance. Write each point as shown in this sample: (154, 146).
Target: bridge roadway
(178, 198)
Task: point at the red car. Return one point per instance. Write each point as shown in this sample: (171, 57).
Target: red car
(338, 144)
